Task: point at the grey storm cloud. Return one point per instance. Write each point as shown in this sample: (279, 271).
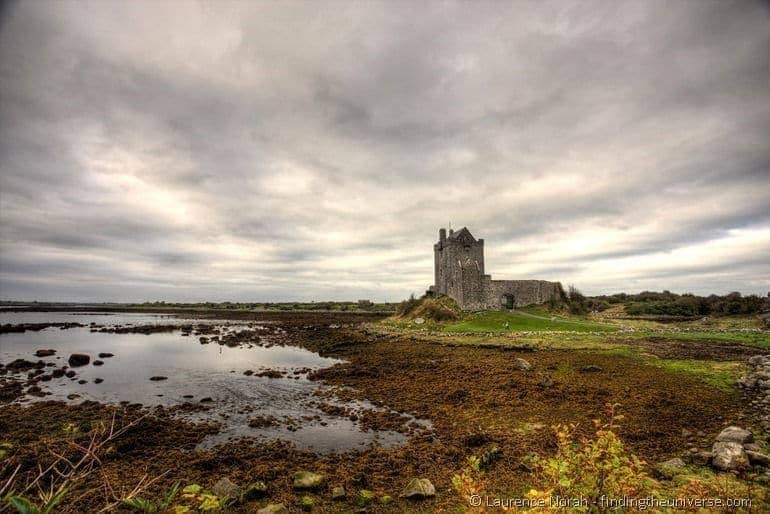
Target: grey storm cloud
(310, 150)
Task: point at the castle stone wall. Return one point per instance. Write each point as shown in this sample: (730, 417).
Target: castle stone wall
(459, 273)
(524, 292)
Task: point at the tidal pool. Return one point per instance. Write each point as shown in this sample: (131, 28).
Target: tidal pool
(211, 372)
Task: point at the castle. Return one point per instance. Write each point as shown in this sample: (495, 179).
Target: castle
(459, 273)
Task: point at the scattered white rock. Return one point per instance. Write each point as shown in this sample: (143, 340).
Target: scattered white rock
(225, 488)
(419, 488)
(307, 480)
(419, 321)
(735, 434)
(728, 456)
(274, 508)
(521, 364)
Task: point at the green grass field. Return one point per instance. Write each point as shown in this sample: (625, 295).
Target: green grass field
(495, 321)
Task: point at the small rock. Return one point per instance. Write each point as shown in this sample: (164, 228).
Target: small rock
(98, 363)
(158, 378)
(248, 372)
(758, 458)
(702, 458)
(98, 380)
(81, 382)
(364, 497)
(207, 399)
(254, 491)
(307, 503)
(545, 380)
(753, 447)
(106, 355)
(735, 434)
(274, 508)
(590, 369)
(79, 359)
(338, 493)
(419, 488)
(419, 321)
(728, 455)
(670, 468)
(70, 374)
(307, 480)
(44, 353)
(225, 488)
(489, 456)
(521, 364)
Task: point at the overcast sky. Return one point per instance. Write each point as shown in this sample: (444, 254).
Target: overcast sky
(293, 151)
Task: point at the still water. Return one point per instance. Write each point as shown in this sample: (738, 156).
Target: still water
(194, 371)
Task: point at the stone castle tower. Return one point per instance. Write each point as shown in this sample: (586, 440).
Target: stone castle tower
(459, 273)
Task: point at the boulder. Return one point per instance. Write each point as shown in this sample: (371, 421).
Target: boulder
(758, 458)
(274, 508)
(521, 364)
(753, 447)
(419, 488)
(728, 456)
(735, 434)
(79, 359)
(307, 480)
(226, 489)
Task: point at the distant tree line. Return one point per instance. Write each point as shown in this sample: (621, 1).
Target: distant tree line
(360, 305)
(667, 303)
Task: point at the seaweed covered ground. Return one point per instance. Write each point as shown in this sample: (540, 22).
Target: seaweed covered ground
(476, 393)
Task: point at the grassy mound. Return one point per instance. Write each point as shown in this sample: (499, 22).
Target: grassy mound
(438, 308)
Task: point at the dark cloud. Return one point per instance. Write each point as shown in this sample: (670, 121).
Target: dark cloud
(195, 151)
